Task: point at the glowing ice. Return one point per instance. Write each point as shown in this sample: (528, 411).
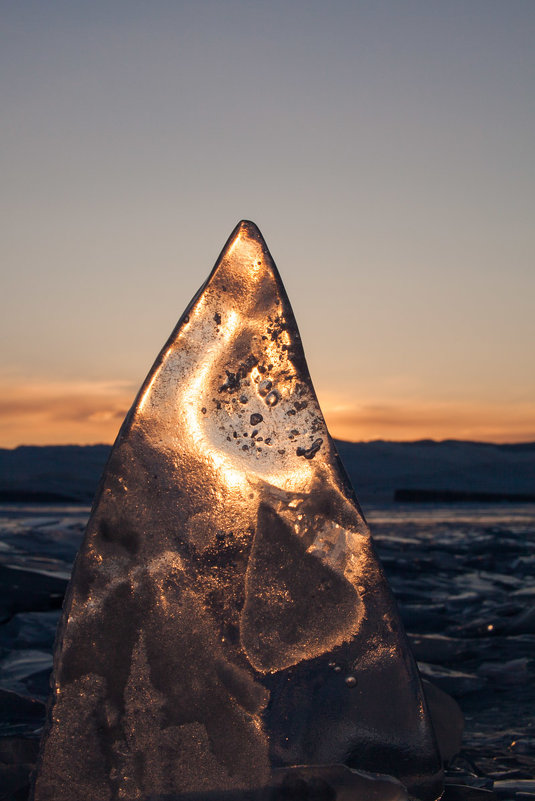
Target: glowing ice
(227, 615)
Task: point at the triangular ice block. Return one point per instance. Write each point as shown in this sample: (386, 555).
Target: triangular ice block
(227, 615)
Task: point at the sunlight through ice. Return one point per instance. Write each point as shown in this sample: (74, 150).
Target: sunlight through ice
(228, 627)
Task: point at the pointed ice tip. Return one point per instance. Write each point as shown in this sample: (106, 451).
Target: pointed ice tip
(244, 263)
(247, 230)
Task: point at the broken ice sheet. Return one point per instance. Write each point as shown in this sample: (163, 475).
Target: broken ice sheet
(227, 615)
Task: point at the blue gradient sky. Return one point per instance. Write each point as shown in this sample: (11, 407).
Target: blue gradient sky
(385, 149)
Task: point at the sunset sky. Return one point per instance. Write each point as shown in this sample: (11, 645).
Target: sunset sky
(385, 149)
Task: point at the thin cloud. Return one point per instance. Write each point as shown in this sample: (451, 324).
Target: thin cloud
(88, 412)
(62, 412)
(421, 420)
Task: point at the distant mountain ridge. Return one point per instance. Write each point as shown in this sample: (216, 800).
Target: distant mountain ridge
(63, 472)
(377, 469)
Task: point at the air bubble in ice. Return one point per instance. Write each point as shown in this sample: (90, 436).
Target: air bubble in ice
(264, 387)
(272, 398)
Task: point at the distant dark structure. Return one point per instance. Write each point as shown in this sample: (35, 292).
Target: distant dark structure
(456, 496)
(69, 474)
(228, 619)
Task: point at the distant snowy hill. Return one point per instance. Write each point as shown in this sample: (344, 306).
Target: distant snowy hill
(376, 469)
(61, 472)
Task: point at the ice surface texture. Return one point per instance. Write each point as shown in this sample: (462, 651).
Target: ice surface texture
(227, 614)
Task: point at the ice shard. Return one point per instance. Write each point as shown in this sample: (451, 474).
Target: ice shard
(227, 615)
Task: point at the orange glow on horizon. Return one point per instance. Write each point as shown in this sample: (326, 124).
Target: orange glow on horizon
(91, 412)
(408, 420)
(62, 412)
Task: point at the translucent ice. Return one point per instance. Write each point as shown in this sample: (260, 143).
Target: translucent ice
(227, 615)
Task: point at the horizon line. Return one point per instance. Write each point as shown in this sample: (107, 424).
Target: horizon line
(375, 440)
